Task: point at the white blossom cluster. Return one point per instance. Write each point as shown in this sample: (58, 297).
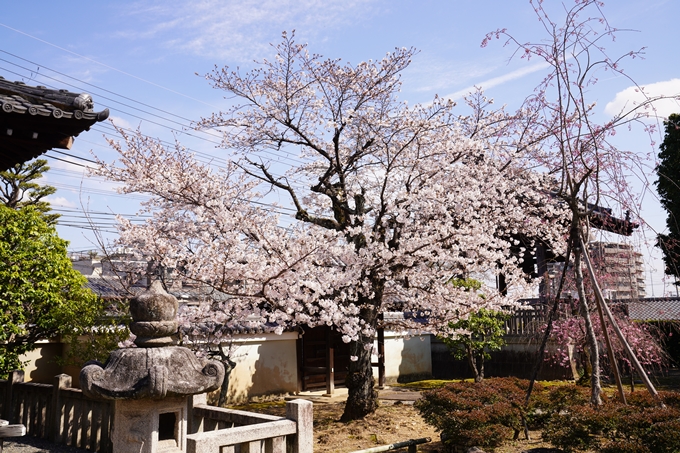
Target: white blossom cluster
(392, 201)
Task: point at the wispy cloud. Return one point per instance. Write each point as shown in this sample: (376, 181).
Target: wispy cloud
(238, 30)
(500, 80)
(60, 202)
(121, 122)
(435, 74)
(632, 96)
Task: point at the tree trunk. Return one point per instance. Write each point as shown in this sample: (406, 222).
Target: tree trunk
(480, 367)
(224, 388)
(473, 364)
(595, 385)
(362, 399)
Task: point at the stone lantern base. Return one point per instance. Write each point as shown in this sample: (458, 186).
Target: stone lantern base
(146, 426)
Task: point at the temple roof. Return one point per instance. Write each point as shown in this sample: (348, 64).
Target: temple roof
(602, 219)
(34, 120)
(654, 309)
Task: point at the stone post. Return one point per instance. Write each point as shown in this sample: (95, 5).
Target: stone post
(15, 377)
(61, 381)
(302, 412)
(195, 424)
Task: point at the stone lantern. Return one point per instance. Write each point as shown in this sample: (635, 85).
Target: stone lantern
(152, 383)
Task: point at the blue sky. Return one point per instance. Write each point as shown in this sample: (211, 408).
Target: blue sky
(140, 59)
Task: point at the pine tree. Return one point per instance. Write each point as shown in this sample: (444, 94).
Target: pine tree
(19, 189)
(668, 186)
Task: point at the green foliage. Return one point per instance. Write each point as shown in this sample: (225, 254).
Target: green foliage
(41, 295)
(668, 186)
(485, 334)
(485, 414)
(480, 334)
(95, 342)
(468, 284)
(480, 414)
(18, 188)
(642, 426)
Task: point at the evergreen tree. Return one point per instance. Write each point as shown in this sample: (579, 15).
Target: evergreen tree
(478, 335)
(668, 186)
(41, 295)
(18, 188)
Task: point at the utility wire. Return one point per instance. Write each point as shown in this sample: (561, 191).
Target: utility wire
(187, 126)
(107, 66)
(272, 208)
(94, 86)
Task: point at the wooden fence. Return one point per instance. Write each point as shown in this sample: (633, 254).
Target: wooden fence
(525, 322)
(57, 412)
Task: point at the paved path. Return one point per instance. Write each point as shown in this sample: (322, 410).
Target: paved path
(392, 394)
(28, 444)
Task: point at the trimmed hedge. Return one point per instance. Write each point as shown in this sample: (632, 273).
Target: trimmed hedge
(482, 414)
(488, 413)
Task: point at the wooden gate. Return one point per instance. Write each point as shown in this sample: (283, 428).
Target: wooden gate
(323, 359)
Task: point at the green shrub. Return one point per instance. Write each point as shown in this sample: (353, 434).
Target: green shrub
(579, 428)
(664, 437)
(482, 414)
(485, 414)
(620, 446)
(640, 426)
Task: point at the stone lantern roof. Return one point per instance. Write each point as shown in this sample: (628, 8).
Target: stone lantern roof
(156, 368)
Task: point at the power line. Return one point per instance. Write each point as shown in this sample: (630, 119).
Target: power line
(106, 66)
(67, 161)
(100, 96)
(94, 86)
(74, 156)
(296, 161)
(279, 156)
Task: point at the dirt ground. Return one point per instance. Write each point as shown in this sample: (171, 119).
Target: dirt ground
(392, 422)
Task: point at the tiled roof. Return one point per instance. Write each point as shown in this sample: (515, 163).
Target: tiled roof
(36, 119)
(654, 309)
(112, 288)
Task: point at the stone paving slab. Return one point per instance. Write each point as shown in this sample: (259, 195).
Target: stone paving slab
(391, 394)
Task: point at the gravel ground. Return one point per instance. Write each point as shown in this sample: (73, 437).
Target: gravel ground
(28, 444)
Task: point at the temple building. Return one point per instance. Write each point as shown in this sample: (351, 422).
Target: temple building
(34, 120)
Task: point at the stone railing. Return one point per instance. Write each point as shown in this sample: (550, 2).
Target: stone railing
(57, 412)
(218, 430)
(85, 423)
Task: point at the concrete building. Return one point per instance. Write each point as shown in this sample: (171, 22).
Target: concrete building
(621, 268)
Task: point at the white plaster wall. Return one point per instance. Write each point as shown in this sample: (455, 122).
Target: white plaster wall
(41, 363)
(405, 357)
(265, 365)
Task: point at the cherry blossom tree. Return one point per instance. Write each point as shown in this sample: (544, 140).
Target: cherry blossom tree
(207, 329)
(570, 331)
(590, 170)
(390, 202)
